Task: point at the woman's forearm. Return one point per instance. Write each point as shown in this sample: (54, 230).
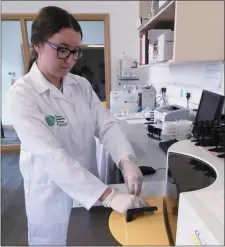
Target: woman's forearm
(107, 192)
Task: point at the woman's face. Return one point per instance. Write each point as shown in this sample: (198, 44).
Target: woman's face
(47, 54)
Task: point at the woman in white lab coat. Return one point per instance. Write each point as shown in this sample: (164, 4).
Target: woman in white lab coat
(57, 116)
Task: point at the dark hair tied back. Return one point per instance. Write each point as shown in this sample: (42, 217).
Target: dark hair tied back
(50, 20)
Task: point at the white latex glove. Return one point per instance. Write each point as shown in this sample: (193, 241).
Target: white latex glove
(133, 177)
(121, 202)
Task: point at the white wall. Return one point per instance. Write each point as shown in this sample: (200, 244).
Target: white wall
(93, 32)
(11, 60)
(188, 77)
(123, 19)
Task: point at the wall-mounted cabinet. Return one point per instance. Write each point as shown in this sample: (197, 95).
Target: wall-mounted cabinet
(198, 30)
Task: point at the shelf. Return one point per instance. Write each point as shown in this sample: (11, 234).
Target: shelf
(143, 65)
(171, 62)
(163, 19)
(188, 22)
(128, 79)
(167, 62)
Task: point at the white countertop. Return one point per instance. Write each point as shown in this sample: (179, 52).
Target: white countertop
(148, 154)
(208, 203)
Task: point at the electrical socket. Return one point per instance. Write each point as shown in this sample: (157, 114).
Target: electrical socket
(189, 91)
(163, 90)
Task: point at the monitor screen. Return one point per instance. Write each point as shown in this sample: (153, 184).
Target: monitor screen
(210, 106)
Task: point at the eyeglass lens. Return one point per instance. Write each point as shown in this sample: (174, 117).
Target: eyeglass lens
(64, 53)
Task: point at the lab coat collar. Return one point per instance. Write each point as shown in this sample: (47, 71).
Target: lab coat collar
(41, 84)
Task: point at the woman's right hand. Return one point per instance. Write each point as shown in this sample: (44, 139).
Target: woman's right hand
(121, 202)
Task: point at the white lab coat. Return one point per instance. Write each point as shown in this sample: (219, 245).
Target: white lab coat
(58, 151)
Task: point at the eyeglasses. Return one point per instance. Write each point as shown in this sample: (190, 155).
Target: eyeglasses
(64, 53)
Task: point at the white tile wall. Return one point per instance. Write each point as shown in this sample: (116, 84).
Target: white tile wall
(189, 77)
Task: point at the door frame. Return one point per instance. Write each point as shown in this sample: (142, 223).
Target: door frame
(79, 17)
(22, 18)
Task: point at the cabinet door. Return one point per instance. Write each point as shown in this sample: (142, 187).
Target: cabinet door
(144, 8)
(199, 31)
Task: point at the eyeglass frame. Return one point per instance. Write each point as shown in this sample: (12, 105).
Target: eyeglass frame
(71, 51)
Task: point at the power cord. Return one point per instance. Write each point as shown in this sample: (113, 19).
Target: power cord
(158, 97)
(163, 90)
(146, 170)
(160, 169)
(159, 100)
(165, 100)
(156, 102)
(162, 97)
(188, 95)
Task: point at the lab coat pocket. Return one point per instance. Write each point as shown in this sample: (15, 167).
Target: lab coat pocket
(47, 233)
(25, 161)
(25, 169)
(48, 211)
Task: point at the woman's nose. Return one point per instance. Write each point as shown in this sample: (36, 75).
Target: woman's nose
(70, 59)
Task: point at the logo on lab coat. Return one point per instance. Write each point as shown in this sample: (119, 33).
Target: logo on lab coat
(50, 120)
(61, 121)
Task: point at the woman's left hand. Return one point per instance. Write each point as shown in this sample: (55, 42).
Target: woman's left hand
(132, 176)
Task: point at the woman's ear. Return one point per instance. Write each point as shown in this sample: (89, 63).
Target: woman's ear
(37, 48)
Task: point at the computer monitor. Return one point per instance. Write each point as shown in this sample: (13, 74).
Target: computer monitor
(210, 106)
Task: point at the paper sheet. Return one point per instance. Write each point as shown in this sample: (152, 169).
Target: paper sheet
(213, 74)
(136, 121)
(130, 116)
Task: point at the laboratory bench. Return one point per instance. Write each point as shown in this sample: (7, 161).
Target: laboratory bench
(146, 149)
(92, 227)
(103, 227)
(148, 153)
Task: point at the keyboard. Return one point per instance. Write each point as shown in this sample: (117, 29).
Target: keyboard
(166, 144)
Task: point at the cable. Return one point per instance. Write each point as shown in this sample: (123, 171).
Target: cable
(187, 103)
(159, 100)
(164, 99)
(160, 169)
(163, 91)
(163, 96)
(167, 102)
(158, 97)
(188, 95)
